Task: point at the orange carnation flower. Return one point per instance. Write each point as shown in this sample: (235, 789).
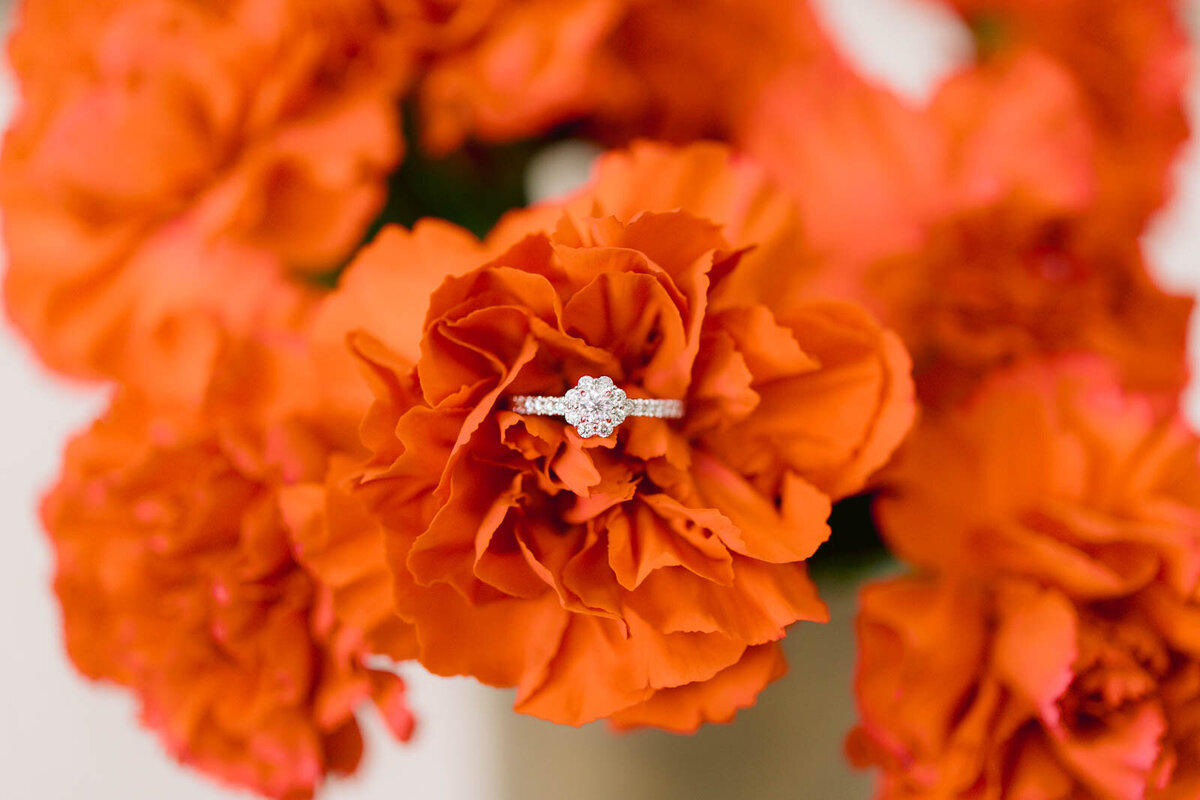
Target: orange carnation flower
(165, 151)
(691, 70)
(501, 71)
(1017, 262)
(991, 288)
(1131, 62)
(971, 226)
(1009, 690)
(872, 171)
(644, 576)
(1071, 482)
(178, 579)
(669, 69)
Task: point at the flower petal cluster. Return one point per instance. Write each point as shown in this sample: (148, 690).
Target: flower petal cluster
(1020, 263)
(975, 230)
(643, 577)
(499, 71)
(1051, 649)
(863, 165)
(1009, 689)
(679, 71)
(165, 151)
(1132, 71)
(179, 578)
(1105, 499)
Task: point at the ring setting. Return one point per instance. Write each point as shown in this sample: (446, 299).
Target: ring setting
(596, 406)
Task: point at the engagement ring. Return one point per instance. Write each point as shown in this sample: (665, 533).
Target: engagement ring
(595, 406)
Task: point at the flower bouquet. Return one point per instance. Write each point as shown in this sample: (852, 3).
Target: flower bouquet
(374, 403)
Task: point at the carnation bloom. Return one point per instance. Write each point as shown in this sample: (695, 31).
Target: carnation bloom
(689, 70)
(500, 71)
(671, 69)
(1016, 262)
(1010, 690)
(992, 287)
(1132, 69)
(646, 576)
(178, 579)
(970, 227)
(873, 171)
(165, 151)
(1071, 481)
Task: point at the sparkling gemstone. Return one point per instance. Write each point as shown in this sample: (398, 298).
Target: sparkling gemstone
(595, 406)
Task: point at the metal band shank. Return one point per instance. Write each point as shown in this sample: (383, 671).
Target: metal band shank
(545, 405)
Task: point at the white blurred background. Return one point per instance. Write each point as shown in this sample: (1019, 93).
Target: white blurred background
(61, 737)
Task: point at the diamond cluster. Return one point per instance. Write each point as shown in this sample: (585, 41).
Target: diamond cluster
(596, 406)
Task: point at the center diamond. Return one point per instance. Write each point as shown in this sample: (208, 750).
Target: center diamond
(595, 406)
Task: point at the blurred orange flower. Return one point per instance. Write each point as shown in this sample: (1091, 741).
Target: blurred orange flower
(164, 152)
(991, 288)
(691, 70)
(642, 577)
(1009, 690)
(864, 165)
(499, 71)
(1017, 262)
(1071, 482)
(665, 68)
(1131, 63)
(337, 540)
(178, 579)
(970, 226)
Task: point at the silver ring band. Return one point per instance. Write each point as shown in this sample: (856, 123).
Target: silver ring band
(595, 406)
(537, 404)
